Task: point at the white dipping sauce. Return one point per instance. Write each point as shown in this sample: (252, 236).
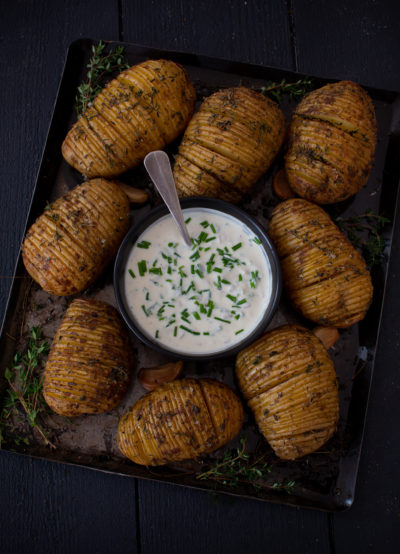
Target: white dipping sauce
(203, 299)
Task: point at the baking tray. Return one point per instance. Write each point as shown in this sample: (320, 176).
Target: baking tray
(325, 479)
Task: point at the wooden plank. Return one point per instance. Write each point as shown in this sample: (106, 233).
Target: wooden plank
(49, 507)
(184, 520)
(35, 37)
(377, 498)
(252, 31)
(349, 40)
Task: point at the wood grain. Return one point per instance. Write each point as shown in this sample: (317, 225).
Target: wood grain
(199, 522)
(249, 31)
(349, 40)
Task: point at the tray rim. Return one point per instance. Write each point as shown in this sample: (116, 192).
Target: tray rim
(234, 67)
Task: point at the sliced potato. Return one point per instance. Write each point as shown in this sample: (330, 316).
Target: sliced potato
(229, 143)
(71, 243)
(143, 109)
(289, 382)
(180, 420)
(325, 277)
(332, 139)
(90, 361)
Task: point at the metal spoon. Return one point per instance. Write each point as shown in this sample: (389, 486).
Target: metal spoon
(158, 167)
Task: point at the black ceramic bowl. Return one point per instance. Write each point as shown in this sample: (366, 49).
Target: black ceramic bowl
(207, 203)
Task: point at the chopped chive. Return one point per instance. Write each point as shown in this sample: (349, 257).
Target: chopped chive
(256, 240)
(210, 306)
(142, 267)
(204, 224)
(210, 239)
(196, 315)
(213, 228)
(157, 334)
(199, 273)
(240, 278)
(206, 333)
(172, 244)
(189, 330)
(131, 274)
(237, 246)
(155, 263)
(241, 301)
(143, 244)
(202, 237)
(217, 269)
(188, 220)
(202, 309)
(225, 282)
(175, 331)
(147, 296)
(145, 311)
(186, 320)
(233, 298)
(237, 316)
(241, 331)
(169, 270)
(192, 269)
(195, 256)
(220, 319)
(156, 270)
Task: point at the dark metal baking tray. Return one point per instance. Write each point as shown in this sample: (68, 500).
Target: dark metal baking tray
(324, 480)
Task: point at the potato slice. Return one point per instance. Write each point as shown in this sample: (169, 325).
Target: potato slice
(332, 139)
(90, 360)
(180, 420)
(290, 384)
(143, 109)
(229, 143)
(71, 243)
(325, 277)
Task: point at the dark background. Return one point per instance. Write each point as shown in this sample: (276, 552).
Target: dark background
(46, 507)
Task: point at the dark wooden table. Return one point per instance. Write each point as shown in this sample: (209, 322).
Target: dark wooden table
(48, 507)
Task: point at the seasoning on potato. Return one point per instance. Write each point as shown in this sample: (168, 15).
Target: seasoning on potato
(180, 420)
(325, 277)
(289, 382)
(332, 139)
(90, 360)
(229, 143)
(145, 108)
(71, 243)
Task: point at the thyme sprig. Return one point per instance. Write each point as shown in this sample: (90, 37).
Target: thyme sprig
(102, 64)
(239, 467)
(296, 90)
(25, 389)
(365, 232)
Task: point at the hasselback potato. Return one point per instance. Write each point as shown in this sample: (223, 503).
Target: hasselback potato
(324, 276)
(90, 360)
(289, 382)
(332, 139)
(180, 420)
(70, 244)
(146, 107)
(229, 143)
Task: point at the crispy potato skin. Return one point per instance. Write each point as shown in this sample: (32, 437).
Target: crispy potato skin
(90, 361)
(229, 143)
(71, 243)
(146, 107)
(332, 140)
(180, 420)
(325, 277)
(289, 382)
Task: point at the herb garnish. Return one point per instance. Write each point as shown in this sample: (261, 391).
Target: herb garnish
(238, 467)
(296, 90)
(25, 389)
(101, 65)
(364, 231)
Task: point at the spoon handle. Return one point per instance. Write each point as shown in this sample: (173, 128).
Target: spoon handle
(159, 168)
